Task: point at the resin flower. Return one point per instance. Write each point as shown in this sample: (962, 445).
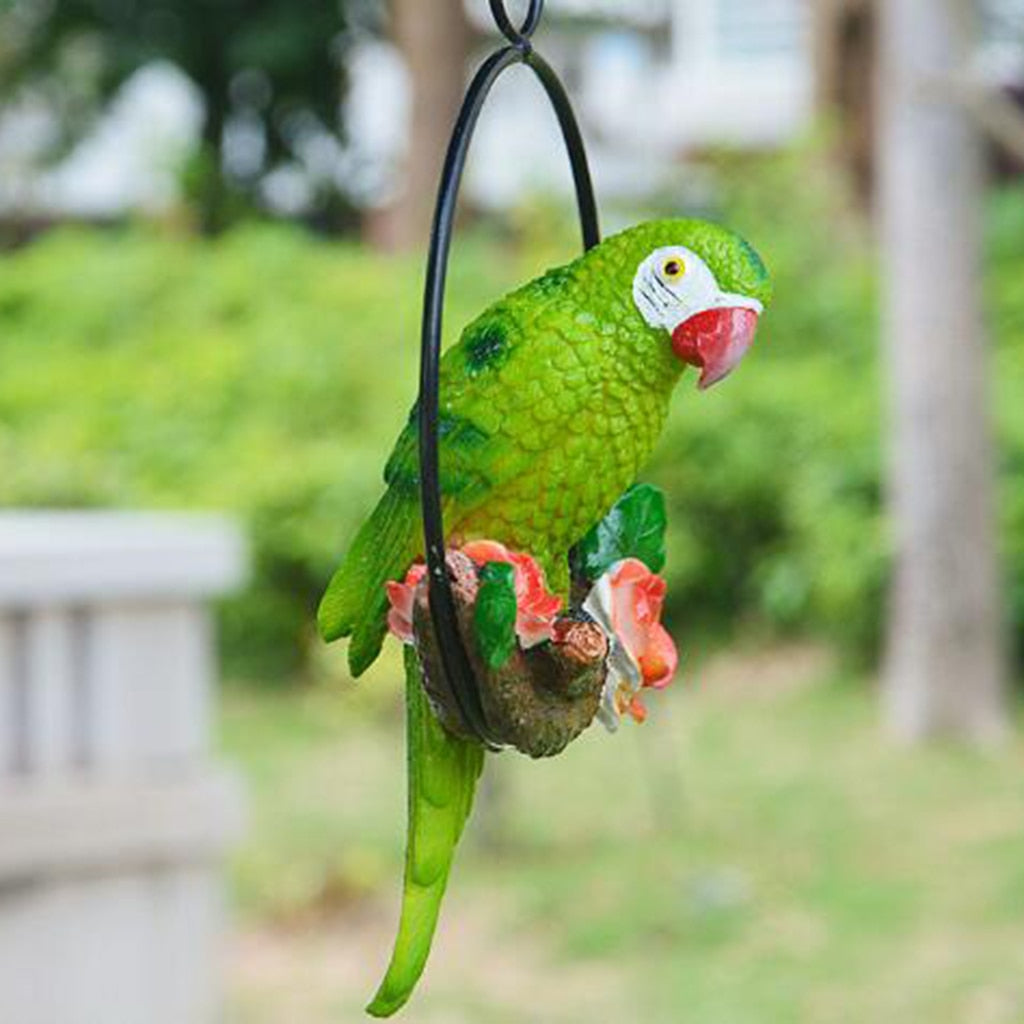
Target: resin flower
(638, 596)
(536, 606)
(627, 602)
(402, 597)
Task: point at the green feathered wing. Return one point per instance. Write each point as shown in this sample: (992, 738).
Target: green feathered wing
(443, 771)
(356, 602)
(476, 458)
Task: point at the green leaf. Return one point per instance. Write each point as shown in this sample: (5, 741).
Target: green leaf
(495, 614)
(634, 528)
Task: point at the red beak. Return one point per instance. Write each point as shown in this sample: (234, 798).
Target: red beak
(715, 341)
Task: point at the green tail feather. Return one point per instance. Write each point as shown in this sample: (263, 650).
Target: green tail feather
(355, 603)
(443, 771)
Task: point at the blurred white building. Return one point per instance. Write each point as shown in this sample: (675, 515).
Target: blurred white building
(697, 72)
(652, 80)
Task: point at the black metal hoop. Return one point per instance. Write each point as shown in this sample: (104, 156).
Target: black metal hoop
(517, 37)
(454, 658)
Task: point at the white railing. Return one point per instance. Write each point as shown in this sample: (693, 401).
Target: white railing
(113, 818)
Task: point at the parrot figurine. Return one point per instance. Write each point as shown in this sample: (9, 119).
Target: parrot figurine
(550, 403)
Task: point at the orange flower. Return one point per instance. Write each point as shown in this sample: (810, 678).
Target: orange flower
(637, 710)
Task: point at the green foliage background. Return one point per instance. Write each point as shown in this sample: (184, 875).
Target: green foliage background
(251, 58)
(267, 373)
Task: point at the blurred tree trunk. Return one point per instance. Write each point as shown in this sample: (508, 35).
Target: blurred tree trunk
(434, 38)
(212, 198)
(945, 666)
(845, 48)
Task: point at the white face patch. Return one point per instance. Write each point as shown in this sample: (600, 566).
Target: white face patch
(674, 284)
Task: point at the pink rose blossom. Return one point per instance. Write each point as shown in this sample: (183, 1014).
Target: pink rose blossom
(627, 601)
(484, 551)
(537, 607)
(637, 599)
(402, 598)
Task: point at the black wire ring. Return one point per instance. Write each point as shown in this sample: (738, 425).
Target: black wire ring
(517, 37)
(454, 659)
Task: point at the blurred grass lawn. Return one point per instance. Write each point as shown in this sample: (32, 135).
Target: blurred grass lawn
(757, 852)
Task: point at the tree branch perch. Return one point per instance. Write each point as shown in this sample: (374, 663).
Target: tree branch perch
(539, 700)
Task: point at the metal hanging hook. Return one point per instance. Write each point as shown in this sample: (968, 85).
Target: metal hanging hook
(454, 657)
(517, 37)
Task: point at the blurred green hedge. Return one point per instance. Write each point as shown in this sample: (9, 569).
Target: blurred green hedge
(268, 372)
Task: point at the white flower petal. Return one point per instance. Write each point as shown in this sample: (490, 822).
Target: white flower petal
(624, 678)
(598, 604)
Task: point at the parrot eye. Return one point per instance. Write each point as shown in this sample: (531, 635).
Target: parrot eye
(673, 269)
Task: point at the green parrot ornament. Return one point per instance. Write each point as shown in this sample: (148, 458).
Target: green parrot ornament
(550, 403)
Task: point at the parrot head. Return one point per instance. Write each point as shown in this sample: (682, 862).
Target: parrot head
(701, 285)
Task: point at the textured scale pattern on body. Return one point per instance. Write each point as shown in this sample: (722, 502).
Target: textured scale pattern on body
(586, 402)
